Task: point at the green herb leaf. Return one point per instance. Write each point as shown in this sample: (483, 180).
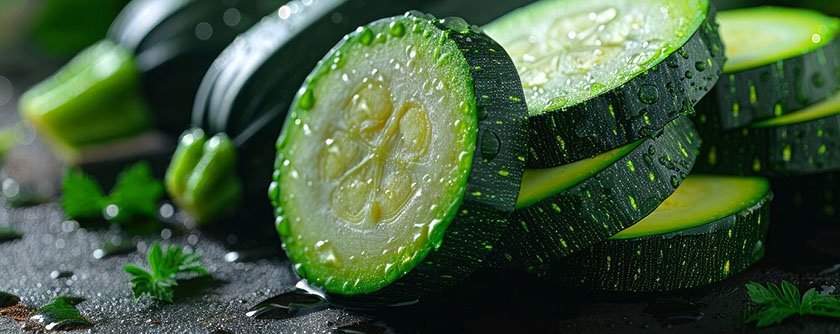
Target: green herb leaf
(160, 281)
(781, 302)
(82, 197)
(61, 314)
(135, 195)
(137, 191)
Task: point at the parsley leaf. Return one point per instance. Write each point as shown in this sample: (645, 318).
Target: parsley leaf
(82, 197)
(136, 194)
(159, 282)
(779, 302)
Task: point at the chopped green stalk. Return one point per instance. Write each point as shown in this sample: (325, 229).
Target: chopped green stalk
(202, 177)
(92, 99)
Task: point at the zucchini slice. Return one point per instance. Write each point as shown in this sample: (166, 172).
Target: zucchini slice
(250, 86)
(710, 228)
(564, 209)
(601, 74)
(804, 142)
(400, 156)
(780, 60)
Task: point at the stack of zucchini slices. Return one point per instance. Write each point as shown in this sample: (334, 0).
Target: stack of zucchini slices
(607, 202)
(776, 111)
(419, 150)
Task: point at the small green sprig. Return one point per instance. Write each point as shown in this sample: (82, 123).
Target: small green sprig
(779, 302)
(159, 282)
(135, 195)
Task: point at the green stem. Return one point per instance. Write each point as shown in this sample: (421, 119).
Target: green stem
(93, 99)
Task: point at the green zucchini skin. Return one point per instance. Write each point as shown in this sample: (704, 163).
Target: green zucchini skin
(250, 86)
(172, 57)
(672, 261)
(603, 205)
(742, 98)
(501, 143)
(622, 115)
(810, 147)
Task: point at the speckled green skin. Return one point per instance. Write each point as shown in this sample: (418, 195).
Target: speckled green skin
(599, 207)
(802, 148)
(671, 261)
(501, 143)
(742, 98)
(619, 117)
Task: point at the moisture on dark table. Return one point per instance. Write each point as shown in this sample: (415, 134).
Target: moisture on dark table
(56, 257)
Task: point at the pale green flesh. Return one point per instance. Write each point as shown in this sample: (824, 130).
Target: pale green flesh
(378, 163)
(700, 200)
(538, 184)
(568, 51)
(763, 35)
(825, 108)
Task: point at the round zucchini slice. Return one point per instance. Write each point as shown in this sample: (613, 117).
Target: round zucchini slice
(601, 74)
(565, 209)
(401, 156)
(250, 86)
(710, 228)
(804, 142)
(780, 60)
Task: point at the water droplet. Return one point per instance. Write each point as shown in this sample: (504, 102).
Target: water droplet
(365, 35)
(455, 23)
(286, 305)
(203, 31)
(648, 94)
(232, 17)
(397, 29)
(490, 145)
(689, 74)
(307, 100)
(700, 66)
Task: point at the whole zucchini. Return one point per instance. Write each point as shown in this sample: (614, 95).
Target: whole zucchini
(143, 75)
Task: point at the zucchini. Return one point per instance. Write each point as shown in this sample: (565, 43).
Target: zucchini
(780, 60)
(144, 75)
(251, 84)
(710, 228)
(565, 209)
(601, 74)
(401, 155)
(804, 142)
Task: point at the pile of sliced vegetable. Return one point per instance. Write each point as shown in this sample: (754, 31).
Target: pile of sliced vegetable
(628, 146)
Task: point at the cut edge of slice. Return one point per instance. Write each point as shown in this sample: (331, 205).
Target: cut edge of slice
(567, 132)
(703, 252)
(620, 193)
